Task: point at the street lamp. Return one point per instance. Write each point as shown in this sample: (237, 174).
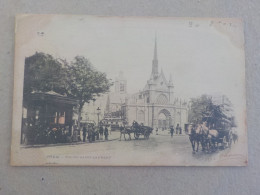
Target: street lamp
(98, 113)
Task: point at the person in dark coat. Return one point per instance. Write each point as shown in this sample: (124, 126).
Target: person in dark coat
(180, 130)
(89, 133)
(177, 129)
(84, 133)
(172, 130)
(93, 134)
(97, 132)
(106, 133)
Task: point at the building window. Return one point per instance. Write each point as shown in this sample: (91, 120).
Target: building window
(162, 99)
(122, 87)
(62, 118)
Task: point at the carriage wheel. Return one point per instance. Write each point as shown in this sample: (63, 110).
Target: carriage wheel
(147, 135)
(136, 136)
(230, 143)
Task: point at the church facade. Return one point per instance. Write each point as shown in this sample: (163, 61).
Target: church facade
(155, 105)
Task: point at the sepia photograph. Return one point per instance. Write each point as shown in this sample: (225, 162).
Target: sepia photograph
(128, 91)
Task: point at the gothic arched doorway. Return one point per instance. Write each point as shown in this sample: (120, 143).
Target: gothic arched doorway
(164, 119)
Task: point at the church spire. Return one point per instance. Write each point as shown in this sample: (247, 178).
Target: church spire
(155, 48)
(155, 60)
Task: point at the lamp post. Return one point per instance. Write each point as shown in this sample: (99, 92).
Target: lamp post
(98, 113)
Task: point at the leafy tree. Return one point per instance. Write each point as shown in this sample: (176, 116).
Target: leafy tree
(203, 108)
(78, 79)
(43, 73)
(84, 82)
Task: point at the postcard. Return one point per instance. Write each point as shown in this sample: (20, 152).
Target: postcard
(128, 91)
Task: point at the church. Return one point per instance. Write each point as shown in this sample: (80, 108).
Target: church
(155, 105)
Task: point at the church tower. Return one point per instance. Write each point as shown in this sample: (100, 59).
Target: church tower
(121, 84)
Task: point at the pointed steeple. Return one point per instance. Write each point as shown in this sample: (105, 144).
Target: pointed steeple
(155, 49)
(155, 61)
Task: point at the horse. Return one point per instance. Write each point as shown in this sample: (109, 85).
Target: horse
(202, 134)
(209, 139)
(194, 136)
(127, 131)
(212, 140)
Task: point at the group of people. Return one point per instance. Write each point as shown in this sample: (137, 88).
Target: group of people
(93, 133)
(178, 130)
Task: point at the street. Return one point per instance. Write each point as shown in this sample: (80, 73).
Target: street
(159, 149)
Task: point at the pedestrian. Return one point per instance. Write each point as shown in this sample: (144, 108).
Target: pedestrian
(93, 134)
(180, 130)
(101, 131)
(106, 133)
(24, 133)
(79, 139)
(121, 128)
(97, 133)
(177, 129)
(109, 129)
(157, 131)
(89, 133)
(75, 134)
(172, 130)
(84, 133)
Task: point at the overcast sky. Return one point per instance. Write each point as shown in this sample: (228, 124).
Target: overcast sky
(203, 57)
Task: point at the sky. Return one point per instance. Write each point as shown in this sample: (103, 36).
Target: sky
(204, 56)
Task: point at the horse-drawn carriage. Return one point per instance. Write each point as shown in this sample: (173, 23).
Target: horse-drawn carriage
(137, 129)
(210, 134)
(141, 130)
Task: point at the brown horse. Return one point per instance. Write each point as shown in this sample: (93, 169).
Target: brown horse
(126, 130)
(195, 136)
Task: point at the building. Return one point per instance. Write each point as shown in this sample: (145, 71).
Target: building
(110, 105)
(45, 110)
(156, 105)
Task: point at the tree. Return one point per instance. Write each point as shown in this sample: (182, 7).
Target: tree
(84, 82)
(203, 108)
(78, 79)
(43, 73)
(198, 108)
